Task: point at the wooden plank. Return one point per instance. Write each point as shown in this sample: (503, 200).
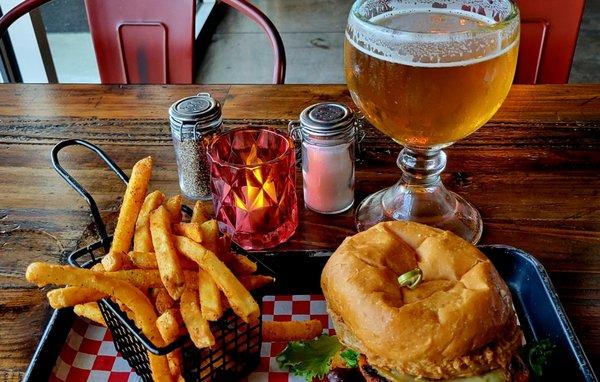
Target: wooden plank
(23, 314)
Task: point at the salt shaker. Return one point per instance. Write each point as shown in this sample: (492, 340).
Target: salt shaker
(327, 133)
(193, 119)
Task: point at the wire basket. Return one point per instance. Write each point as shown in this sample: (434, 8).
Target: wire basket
(237, 344)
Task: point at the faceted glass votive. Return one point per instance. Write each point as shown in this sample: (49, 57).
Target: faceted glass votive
(253, 182)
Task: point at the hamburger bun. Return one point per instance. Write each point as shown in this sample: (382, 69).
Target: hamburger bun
(459, 321)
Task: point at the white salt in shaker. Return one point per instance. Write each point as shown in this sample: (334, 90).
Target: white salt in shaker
(192, 120)
(327, 133)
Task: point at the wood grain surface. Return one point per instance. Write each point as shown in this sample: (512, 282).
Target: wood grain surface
(533, 172)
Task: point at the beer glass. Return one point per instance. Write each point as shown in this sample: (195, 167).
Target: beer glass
(428, 73)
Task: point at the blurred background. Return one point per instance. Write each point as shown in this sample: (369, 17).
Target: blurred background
(235, 50)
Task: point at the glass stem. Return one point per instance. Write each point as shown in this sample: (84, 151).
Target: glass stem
(421, 166)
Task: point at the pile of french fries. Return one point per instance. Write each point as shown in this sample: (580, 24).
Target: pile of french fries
(170, 276)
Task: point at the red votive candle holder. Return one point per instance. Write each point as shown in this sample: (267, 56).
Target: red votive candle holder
(253, 183)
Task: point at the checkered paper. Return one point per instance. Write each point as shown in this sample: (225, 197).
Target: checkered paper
(89, 353)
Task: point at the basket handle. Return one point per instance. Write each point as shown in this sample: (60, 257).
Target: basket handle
(100, 227)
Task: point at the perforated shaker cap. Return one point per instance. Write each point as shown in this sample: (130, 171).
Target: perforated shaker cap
(327, 119)
(199, 113)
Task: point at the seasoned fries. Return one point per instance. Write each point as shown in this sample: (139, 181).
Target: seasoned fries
(200, 213)
(239, 298)
(197, 325)
(169, 325)
(210, 296)
(145, 279)
(178, 276)
(116, 260)
(73, 295)
(98, 267)
(242, 265)
(142, 241)
(132, 203)
(163, 301)
(280, 331)
(239, 264)
(167, 259)
(210, 235)
(173, 205)
(91, 311)
(190, 230)
(175, 359)
(145, 317)
(253, 282)
(143, 260)
(147, 260)
(140, 278)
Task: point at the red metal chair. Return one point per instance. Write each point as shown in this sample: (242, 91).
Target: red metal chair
(549, 30)
(151, 41)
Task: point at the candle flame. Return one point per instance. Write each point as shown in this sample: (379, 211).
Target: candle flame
(259, 192)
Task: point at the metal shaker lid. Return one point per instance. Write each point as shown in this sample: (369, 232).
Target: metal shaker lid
(199, 112)
(326, 119)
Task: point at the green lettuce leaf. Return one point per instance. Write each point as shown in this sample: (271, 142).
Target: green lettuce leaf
(539, 354)
(309, 359)
(351, 357)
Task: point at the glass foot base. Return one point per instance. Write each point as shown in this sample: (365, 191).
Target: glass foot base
(434, 206)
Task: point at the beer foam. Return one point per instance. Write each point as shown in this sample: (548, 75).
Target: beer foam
(469, 41)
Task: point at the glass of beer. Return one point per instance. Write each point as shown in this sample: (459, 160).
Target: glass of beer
(428, 73)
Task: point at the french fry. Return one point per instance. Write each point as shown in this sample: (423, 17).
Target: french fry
(145, 318)
(140, 278)
(239, 298)
(124, 308)
(169, 325)
(167, 259)
(147, 260)
(132, 203)
(242, 265)
(175, 359)
(142, 240)
(239, 264)
(98, 267)
(253, 282)
(210, 235)
(201, 213)
(143, 260)
(284, 331)
(148, 278)
(173, 205)
(73, 295)
(91, 311)
(163, 301)
(116, 260)
(210, 296)
(197, 325)
(191, 230)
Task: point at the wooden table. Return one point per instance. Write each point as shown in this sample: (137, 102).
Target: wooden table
(533, 172)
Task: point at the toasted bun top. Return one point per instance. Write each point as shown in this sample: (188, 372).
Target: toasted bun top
(461, 305)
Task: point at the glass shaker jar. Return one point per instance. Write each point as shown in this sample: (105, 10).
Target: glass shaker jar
(327, 132)
(192, 120)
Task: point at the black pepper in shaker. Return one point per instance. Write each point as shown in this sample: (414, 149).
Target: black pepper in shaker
(192, 120)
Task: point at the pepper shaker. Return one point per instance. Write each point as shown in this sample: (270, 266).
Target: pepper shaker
(327, 133)
(192, 120)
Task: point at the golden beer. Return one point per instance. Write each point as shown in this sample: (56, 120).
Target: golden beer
(442, 92)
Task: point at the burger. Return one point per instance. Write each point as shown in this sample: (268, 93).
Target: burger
(418, 303)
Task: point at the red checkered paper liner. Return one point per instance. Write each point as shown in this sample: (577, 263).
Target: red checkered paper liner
(89, 353)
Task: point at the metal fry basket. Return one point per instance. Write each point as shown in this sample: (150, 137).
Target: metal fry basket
(237, 344)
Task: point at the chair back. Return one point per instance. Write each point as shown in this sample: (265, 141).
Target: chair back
(143, 42)
(151, 41)
(549, 30)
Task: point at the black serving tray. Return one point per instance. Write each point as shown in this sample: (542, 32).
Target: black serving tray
(538, 307)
